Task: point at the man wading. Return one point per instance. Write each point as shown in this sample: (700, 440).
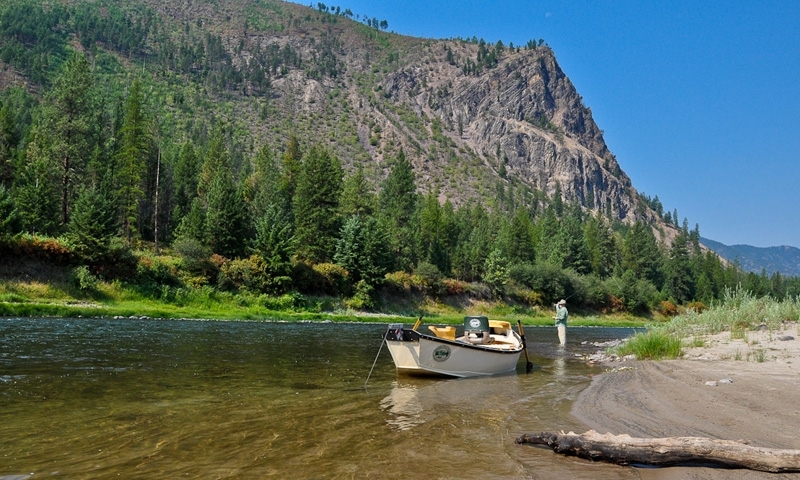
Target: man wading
(561, 321)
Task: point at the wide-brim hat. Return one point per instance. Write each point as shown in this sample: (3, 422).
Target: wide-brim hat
(562, 302)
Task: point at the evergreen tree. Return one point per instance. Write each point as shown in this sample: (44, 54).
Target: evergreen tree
(316, 205)
(475, 236)
(131, 158)
(226, 216)
(275, 243)
(35, 194)
(436, 232)
(363, 250)
(572, 236)
(357, 196)
(603, 252)
(641, 255)
(679, 282)
(263, 184)
(8, 213)
(290, 171)
(551, 248)
(92, 224)
(397, 204)
(516, 238)
(185, 175)
(8, 145)
(496, 271)
(67, 127)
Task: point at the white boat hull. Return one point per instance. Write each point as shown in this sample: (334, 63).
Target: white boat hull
(414, 352)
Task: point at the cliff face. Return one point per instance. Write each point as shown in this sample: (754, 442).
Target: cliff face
(523, 119)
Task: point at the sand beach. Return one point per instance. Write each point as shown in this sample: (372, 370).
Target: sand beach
(730, 388)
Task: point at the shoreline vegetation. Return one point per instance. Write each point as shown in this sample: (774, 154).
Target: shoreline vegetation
(33, 288)
(738, 312)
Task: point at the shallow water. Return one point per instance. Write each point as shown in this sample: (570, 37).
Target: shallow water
(155, 399)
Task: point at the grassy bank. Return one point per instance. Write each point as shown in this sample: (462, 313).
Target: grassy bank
(738, 312)
(59, 297)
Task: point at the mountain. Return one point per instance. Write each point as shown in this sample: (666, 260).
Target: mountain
(783, 259)
(476, 120)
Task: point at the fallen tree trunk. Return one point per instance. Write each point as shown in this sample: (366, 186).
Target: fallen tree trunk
(626, 450)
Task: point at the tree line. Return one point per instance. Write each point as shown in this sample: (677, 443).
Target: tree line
(95, 174)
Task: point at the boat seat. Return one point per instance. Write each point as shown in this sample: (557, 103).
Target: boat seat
(448, 333)
(499, 327)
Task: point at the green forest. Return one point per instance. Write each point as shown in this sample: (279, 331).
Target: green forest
(98, 177)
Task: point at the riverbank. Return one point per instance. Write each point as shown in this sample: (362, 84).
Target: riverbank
(742, 388)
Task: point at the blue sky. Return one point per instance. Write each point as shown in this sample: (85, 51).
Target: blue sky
(699, 101)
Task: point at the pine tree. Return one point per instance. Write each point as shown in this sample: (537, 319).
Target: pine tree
(316, 205)
(641, 255)
(603, 251)
(679, 283)
(185, 174)
(363, 250)
(274, 242)
(357, 196)
(35, 193)
(226, 216)
(92, 224)
(397, 205)
(131, 158)
(8, 145)
(8, 213)
(67, 127)
(290, 171)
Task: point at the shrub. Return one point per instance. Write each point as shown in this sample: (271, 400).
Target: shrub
(320, 279)
(668, 309)
(195, 257)
(84, 280)
(287, 301)
(430, 278)
(363, 298)
(401, 282)
(527, 296)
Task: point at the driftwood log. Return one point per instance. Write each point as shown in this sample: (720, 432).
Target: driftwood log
(626, 450)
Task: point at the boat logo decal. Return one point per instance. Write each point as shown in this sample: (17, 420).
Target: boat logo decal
(441, 353)
(474, 323)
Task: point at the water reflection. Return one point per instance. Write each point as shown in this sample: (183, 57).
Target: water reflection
(412, 402)
(165, 399)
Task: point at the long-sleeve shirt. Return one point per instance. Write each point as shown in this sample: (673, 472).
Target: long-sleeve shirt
(561, 315)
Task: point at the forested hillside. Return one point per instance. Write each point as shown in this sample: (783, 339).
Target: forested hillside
(267, 148)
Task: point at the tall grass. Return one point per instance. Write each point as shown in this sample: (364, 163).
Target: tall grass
(652, 345)
(739, 311)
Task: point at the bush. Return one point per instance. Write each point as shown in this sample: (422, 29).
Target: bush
(430, 278)
(320, 279)
(668, 309)
(287, 301)
(195, 257)
(363, 298)
(84, 280)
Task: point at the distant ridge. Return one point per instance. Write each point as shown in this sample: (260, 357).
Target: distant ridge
(783, 259)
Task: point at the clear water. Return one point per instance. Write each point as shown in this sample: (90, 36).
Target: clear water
(151, 399)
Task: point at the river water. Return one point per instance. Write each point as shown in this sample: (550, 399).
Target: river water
(156, 399)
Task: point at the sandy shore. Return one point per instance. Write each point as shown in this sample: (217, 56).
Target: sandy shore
(732, 389)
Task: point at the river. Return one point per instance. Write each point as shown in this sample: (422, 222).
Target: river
(163, 399)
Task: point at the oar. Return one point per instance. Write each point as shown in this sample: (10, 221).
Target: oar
(528, 365)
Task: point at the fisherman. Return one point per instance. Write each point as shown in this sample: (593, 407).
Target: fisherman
(561, 321)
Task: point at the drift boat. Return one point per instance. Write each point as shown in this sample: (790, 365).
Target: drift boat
(487, 347)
